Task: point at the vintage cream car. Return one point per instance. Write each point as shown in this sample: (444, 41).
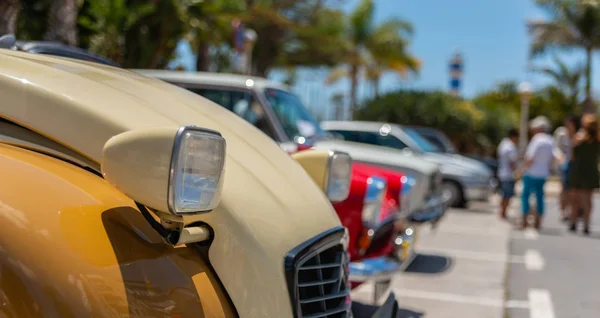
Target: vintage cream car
(119, 198)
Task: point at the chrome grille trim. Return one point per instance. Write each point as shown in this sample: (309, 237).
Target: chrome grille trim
(317, 276)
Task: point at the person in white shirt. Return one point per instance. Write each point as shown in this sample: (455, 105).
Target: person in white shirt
(563, 141)
(507, 161)
(538, 158)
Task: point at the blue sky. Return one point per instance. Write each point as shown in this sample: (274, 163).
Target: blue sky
(491, 35)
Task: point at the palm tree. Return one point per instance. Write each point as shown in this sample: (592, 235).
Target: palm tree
(567, 81)
(374, 50)
(210, 27)
(109, 21)
(572, 24)
(62, 22)
(337, 100)
(9, 11)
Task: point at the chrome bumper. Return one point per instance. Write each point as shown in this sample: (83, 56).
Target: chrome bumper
(479, 193)
(382, 268)
(432, 211)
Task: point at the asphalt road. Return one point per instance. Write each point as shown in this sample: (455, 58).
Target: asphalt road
(564, 281)
(459, 270)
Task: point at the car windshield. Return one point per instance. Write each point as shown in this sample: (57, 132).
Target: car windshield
(421, 142)
(297, 122)
(444, 141)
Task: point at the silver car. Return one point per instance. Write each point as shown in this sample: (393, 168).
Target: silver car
(464, 179)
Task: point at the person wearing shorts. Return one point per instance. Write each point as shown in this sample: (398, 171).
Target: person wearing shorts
(507, 161)
(539, 156)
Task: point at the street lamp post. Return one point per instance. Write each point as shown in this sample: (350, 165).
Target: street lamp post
(250, 37)
(525, 93)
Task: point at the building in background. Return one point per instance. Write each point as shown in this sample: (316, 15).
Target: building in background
(456, 73)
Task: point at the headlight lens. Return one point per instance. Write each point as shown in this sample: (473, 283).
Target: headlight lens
(338, 180)
(376, 188)
(407, 187)
(196, 170)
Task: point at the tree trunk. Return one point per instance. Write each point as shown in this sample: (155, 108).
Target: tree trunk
(9, 11)
(376, 86)
(203, 57)
(62, 22)
(588, 103)
(353, 89)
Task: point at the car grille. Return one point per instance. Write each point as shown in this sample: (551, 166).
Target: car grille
(317, 273)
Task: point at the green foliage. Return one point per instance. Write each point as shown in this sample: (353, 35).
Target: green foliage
(107, 22)
(374, 49)
(572, 24)
(457, 117)
(31, 24)
(567, 81)
(549, 101)
(294, 33)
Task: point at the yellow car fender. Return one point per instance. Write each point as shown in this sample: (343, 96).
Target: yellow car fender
(71, 245)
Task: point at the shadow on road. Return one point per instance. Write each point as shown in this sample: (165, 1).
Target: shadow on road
(430, 264)
(551, 231)
(477, 208)
(360, 310)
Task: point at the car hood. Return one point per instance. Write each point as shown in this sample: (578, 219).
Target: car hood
(269, 204)
(380, 155)
(458, 164)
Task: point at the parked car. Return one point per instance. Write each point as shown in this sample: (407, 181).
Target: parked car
(401, 234)
(464, 179)
(272, 108)
(149, 200)
(443, 144)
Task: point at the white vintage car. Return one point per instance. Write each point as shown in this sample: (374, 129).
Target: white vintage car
(464, 179)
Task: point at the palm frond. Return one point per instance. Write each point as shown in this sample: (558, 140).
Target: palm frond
(361, 21)
(337, 74)
(545, 35)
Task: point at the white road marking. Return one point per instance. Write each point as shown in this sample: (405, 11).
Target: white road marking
(531, 234)
(517, 304)
(464, 231)
(534, 260)
(540, 304)
(475, 256)
(368, 288)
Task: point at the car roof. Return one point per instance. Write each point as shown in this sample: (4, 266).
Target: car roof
(36, 46)
(356, 125)
(213, 79)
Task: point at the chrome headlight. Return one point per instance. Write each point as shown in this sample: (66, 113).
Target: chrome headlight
(197, 167)
(376, 188)
(339, 176)
(407, 187)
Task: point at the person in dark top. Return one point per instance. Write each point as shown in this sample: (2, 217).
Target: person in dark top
(583, 173)
(564, 137)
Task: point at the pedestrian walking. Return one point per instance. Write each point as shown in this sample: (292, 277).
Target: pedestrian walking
(583, 175)
(538, 159)
(507, 163)
(563, 138)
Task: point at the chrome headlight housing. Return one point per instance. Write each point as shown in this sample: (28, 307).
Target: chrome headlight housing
(376, 188)
(338, 176)
(407, 186)
(197, 168)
